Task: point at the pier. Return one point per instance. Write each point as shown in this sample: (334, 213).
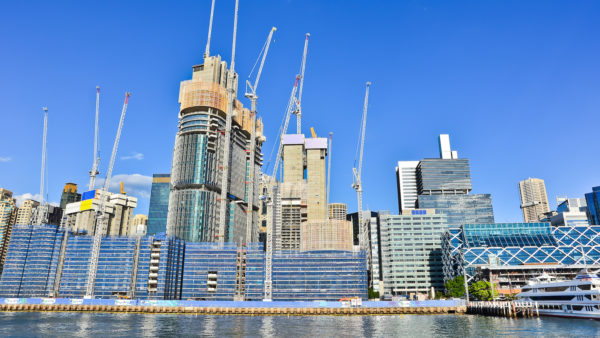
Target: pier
(232, 307)
(512, 309)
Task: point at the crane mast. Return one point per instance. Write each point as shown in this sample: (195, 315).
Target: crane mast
(357, 185)
(253, 111)
(40, 214)
(329, 168)
(96, 162)
(298, 111)
(101, 219)
(212, 12)
(226, 152)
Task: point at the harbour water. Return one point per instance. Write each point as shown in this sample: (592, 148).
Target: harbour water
(98, 325)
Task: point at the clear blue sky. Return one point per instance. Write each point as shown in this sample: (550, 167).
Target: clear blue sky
(515, 83)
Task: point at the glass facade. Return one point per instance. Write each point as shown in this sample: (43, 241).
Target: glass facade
(439, 176)
(411, 254)
(474, 246)
(159, 203)
(460, 209)
(593, 206)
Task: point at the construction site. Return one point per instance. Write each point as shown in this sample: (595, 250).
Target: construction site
(219, 195)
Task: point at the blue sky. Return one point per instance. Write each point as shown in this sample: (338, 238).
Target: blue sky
(515, 84)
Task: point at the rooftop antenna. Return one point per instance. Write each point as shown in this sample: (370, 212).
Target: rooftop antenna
(210, 23)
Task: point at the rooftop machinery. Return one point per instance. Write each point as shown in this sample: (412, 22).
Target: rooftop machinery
(357, 185)
(230, 111)
(101, 219)
(251, 94)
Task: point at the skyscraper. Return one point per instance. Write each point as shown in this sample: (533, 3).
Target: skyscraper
(198, 164)
(69, 195)
(593, 204)
(534, 200)
(159, 203)
(406, 179)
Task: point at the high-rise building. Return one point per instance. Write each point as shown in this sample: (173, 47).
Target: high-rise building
(316, 151)
(411, 255)
(139, 225)
(593, 206)
(159, 203)
(8, 217)
(460, 209)
(534, 200)
(26, 210)
(81, 216)
(195, 200)
(69, 195)
(338, 211)
(570, 212)
(436, 176)
(406, 180)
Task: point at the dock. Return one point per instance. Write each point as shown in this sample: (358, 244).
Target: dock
(514, 309)
(257, 308)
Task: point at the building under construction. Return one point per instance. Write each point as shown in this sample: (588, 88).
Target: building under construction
(199, 163)
(40, 263)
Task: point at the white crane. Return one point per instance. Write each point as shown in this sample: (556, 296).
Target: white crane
(40, 214)
(231, 91)
(329, 168)
(298, 111)
(101, 219)
(357, 185)
(251, 94)
(96, 162)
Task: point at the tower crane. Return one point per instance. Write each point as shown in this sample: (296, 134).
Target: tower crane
(251, 94)
(96, 162)
(40, 216)
(101, 219)
(329, 167)
(231, 91)
(292, 107)
(298, 111)
(357, 185)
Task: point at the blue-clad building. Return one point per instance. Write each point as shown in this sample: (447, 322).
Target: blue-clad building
(593, 205)
(511, 253)
(159, 204)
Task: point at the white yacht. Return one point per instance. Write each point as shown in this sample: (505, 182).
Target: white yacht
(578, 298)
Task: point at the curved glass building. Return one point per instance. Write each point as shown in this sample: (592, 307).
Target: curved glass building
(197, 167)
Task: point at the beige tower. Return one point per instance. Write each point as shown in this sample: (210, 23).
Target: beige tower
(293, 158)
(338, 211)
(25, 211)
(8, 216)
(316, 151)
(534, 200)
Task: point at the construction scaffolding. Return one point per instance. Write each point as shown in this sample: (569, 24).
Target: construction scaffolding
(326, 235)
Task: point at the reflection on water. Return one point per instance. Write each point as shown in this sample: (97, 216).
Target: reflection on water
(100, 325)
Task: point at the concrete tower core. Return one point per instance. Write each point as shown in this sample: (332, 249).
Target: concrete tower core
(197, 166)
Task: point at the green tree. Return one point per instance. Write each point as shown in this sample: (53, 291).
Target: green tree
(373, 294)
(481, 290)
(455, 287)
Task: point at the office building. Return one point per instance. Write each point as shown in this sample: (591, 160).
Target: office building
(534, 200)
(436, 176)
(513, 253)
(460, 209)
(69, 195)
(593, 206)
(570, 212)
(8, 217)
(411, 254)
(26, 211)
(159, 203)
(81, 216)
(195, 201)
(338, 211)
(406, 180)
